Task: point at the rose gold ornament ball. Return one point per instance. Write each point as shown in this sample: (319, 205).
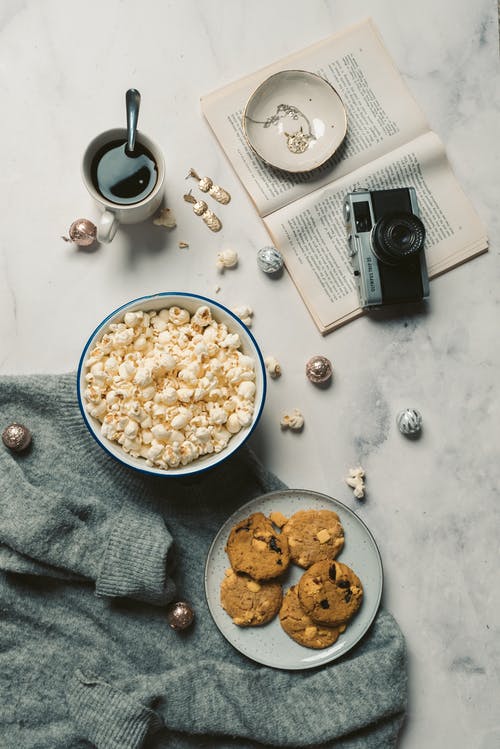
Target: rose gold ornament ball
(319, 370)
(82, 232)
(16, 437)
(180, 615)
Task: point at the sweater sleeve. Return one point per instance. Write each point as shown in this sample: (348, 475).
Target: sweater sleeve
(225, 702)
(125, 549)
(66, 509)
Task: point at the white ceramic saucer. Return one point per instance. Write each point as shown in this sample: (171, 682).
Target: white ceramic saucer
(295, 121)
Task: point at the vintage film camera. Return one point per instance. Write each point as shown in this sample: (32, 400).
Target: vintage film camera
(386, 246)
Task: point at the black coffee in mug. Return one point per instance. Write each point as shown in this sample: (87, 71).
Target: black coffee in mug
(124, 176)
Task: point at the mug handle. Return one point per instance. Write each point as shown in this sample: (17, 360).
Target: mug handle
(107, 227)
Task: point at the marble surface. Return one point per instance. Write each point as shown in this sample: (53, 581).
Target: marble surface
(433, 505)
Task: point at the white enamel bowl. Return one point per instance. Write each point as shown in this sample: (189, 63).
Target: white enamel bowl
(190, 302)
(289, 103)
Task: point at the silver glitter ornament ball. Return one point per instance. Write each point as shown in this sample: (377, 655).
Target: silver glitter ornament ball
(409, 422)
(180, 615)
(319, 370)
(270, 260)
(82, 232)
(16, 437)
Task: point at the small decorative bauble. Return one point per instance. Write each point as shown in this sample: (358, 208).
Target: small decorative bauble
(180, 615)
(269, 260)
(319, 370)
(82, 232)
(409, 421)
(16, 437)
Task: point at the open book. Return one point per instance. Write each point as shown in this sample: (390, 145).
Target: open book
(388, 144)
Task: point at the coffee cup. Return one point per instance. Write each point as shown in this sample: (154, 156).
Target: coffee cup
(127, 186)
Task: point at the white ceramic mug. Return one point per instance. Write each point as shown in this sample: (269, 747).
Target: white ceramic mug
(113, 213)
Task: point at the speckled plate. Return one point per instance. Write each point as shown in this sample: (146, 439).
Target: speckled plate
(269, 644)
(295, 120)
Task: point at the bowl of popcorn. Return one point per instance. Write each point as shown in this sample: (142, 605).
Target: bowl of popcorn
(171, 384)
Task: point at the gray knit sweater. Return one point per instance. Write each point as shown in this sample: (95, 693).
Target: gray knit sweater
(90, 553)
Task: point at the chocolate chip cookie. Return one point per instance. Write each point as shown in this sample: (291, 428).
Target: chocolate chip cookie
(254, 547)
(250, 602)
(314, 535)
(330, 592)
(300, 627)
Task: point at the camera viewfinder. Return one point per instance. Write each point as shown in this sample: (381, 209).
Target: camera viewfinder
(362, 216)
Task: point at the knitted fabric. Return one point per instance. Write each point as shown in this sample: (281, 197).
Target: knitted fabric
(90, 554)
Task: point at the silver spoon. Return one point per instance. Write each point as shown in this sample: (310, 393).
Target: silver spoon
(133, 102)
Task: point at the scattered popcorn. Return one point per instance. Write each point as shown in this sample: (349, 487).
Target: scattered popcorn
(355, 481)
(245, 314)
(226, 259)
(183, 245)
(169, 386)
(165, 218)
(273, 367)
(292, 420)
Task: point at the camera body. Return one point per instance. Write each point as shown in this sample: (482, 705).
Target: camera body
(386, 246)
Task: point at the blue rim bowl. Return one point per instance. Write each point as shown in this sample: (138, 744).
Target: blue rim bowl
(190, 302)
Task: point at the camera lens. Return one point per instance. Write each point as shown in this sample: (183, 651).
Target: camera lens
(398, 237)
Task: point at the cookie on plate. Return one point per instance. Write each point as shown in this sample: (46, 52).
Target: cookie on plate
(330, 592)
(314, 535)
(249, 602)
(300, 627)
(254, 547)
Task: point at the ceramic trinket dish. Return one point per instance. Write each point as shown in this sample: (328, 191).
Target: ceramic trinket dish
(295, 121)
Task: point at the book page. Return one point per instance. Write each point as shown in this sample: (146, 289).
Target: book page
(312, 236)
(381, 115)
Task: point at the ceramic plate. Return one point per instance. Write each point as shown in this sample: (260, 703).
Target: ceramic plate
(269, 644)
(295, 121)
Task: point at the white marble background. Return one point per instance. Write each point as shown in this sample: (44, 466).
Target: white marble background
(433, 505)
